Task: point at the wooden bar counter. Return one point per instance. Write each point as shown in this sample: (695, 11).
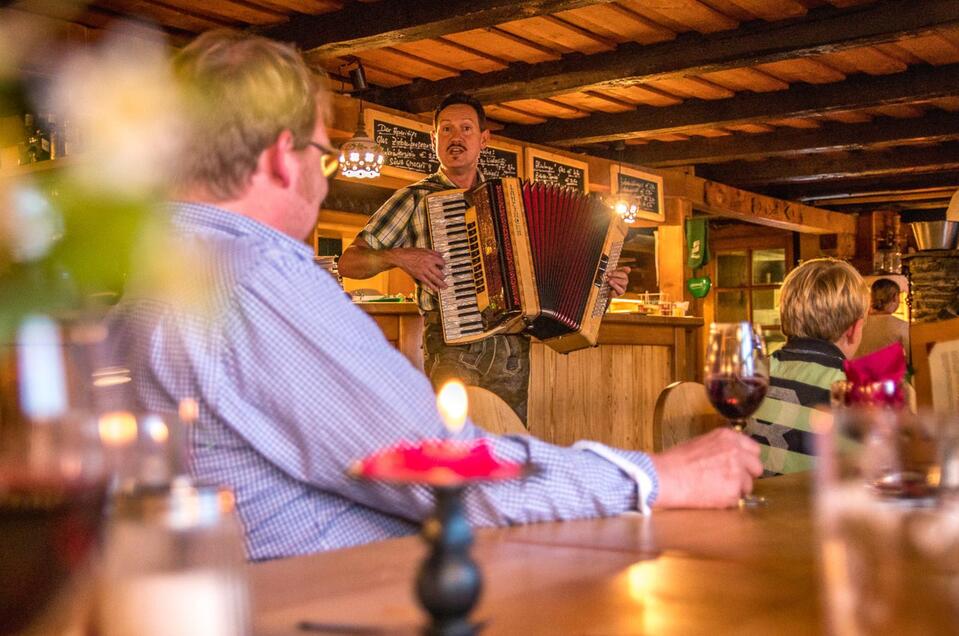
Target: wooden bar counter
(606, 393)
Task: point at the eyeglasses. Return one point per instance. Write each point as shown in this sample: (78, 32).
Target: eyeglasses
(329, 160)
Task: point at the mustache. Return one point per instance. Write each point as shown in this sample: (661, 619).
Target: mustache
(456, 145)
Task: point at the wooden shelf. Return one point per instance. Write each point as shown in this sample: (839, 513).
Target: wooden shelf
(40, 167)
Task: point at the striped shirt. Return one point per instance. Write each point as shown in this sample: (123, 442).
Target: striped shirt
(402, 222)
(800, 375)
(294, 383)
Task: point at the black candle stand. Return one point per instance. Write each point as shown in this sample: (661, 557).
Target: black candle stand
(449, 583)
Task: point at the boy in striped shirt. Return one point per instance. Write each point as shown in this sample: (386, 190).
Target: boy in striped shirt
(822, 310)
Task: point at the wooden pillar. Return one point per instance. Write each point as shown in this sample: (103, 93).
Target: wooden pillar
(671, 245)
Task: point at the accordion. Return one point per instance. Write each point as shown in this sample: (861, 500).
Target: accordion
(524, 257)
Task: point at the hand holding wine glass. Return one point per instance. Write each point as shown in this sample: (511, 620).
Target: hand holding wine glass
(736, 374)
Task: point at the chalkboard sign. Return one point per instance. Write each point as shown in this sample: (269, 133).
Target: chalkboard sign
(406, 143)
(547, 167)
(644, 188)
(499, 160)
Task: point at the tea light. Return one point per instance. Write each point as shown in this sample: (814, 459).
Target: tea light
(453, 404)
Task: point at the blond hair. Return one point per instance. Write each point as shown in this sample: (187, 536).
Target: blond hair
(242, 91)
(821, 299)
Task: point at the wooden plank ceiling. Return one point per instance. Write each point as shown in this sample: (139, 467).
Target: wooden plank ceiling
(844, 104)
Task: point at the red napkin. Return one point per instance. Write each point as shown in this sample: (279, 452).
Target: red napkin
(437, 462)
(877, 378)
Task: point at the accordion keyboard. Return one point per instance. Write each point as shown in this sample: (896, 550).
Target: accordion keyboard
(458, 242)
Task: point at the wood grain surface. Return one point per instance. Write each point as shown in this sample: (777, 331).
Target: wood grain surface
(677, 572)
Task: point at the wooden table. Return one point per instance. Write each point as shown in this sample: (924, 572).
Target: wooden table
(676, 572)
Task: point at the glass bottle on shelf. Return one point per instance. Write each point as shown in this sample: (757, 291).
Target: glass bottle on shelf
(879, 255)
(43, 135)
(30, 146)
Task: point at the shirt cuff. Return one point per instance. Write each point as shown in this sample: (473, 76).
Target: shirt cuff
(641, 472)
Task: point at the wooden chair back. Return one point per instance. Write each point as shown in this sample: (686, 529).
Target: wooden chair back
(923, 336)
(492, 413)
(682, 412)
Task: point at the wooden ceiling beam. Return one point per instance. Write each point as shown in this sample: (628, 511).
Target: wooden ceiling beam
(718, 199)
(824, 30)
(936, 197)
(901, 160)
(919, 83)
(361, 26)
(933, 127)
(890, 185)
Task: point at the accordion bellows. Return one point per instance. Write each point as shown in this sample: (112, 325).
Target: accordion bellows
(524, 256)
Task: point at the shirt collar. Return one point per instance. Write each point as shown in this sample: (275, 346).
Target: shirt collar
(813, 345)
(203, 216)
(440, 177)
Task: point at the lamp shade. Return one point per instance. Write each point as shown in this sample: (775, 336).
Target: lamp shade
(361, 157)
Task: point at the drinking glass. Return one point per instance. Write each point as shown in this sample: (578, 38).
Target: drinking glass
(887, 511)
(736, 375)
(53, 476)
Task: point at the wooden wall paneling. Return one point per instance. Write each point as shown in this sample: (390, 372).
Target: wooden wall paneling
(605, 394)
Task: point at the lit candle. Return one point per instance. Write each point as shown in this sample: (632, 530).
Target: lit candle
(452, 403)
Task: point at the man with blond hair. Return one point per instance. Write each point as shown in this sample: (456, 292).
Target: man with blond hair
(292, 381)
(822, 309)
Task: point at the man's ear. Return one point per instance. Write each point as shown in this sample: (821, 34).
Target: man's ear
(278, 161)
(433, 143)
(853, 335)
(484, 138)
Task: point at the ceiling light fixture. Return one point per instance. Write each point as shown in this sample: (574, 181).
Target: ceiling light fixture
(624, 205)
(360, 157)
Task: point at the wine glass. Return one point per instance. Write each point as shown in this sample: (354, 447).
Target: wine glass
(736, 375)
(53, 478)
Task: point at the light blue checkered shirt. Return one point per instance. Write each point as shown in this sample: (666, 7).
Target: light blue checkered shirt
(294, 383)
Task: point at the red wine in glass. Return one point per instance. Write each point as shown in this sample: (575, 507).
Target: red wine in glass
(48, 528)
(737, 375)
(736, 398)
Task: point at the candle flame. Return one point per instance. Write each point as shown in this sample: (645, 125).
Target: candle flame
(117, 428)
(452, 404)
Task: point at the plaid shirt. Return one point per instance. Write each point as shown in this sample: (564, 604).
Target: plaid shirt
(402, 221)
(294, 383)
